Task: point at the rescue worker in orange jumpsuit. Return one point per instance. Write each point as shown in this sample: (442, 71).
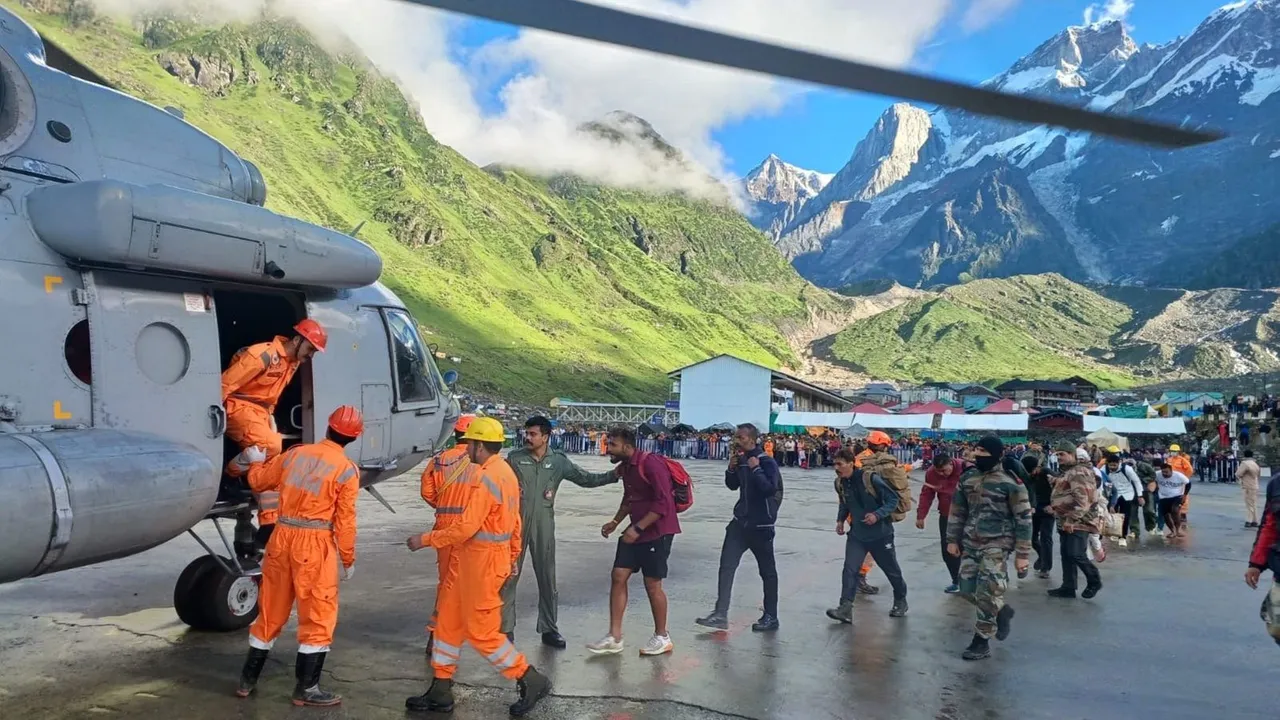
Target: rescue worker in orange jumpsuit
(445, 488)
(1181, 462)
(318, 486)
(251, 387)
(484, 544)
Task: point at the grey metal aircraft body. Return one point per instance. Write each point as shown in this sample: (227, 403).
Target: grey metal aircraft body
(136, 257)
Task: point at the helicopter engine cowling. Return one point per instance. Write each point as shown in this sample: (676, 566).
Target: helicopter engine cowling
(77, 497)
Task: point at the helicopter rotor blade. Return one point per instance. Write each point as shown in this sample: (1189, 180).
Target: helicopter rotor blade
(617, 27)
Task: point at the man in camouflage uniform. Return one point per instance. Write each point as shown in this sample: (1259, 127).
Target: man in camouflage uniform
(990, 517)
(1075, 493)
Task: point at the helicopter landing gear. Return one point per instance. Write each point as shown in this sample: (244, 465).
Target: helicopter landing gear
(217, 593)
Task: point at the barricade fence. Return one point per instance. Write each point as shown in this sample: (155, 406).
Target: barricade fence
(705, 449)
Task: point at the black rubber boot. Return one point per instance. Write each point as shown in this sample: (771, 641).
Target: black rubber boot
(866, 588)
(533, 686)
(1092, 589)
(1003, 620)
(766, 623)
(554, 640)
(716, 621)
(1062, 592)
(844, 613)
(431, 643)
(251, 670)
(438, 698)
(899, 608)
(978, 649)
(307, 691)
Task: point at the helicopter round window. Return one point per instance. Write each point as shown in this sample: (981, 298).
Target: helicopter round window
(17, 106)
(163, 353)
(76, 352)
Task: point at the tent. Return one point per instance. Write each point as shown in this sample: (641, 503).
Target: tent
(651, 428)
(721, 427)
(856, 432)
(1003, 406)
(1136, 426)
(870, 409)
(1104, 439)
(683, 429)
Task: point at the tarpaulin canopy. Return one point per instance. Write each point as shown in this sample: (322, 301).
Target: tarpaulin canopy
(894, 422)
(1008, 423)
(856, 432)
(1129, 411)
(1136, 426)
(792, 418)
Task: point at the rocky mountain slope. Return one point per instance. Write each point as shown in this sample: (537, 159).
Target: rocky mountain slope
(777, 191)
(1048, 327)
(937, 197)
(542, 287)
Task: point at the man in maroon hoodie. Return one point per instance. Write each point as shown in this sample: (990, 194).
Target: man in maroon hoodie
(941, 481)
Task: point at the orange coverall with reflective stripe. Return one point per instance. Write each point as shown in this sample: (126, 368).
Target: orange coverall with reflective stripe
(318, 486)
(485, 543)
(445, 488)
(251, 387)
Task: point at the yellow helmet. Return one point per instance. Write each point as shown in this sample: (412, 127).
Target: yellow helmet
(1114, 449)
(1175, 448)
(485, 429)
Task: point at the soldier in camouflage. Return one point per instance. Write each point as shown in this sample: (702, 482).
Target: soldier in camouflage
(1072, 503)
(990, 518)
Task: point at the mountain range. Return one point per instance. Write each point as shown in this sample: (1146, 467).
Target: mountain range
(936, 197)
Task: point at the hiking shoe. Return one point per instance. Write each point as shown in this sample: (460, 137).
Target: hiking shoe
(1091, 590)
(1122, 542)
(766, 623)
(532, 686)
(866, 588)
(1003, 620)
(844, 613)
(438, 698)
(899, 609)
(1062, 593)
(978, 649)
(554, 640)
(1044, 575)
(716, 621)
(608, 645)
(658, 645)
(951, 589)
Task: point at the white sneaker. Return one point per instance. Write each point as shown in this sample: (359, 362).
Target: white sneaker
(657, 645)
(1122, 542)
(607, 645)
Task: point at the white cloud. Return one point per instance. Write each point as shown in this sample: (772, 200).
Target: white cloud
(553, 84)
(1111, 10)
(982, 13)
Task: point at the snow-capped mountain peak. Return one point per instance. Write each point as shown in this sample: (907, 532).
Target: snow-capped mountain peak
(777, 190)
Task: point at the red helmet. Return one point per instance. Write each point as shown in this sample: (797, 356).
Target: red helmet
(463, 423)
(878, 437)
(311, 331)
(347, 421)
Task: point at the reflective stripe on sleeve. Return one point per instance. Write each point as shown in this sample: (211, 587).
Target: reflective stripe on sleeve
(493, 487)
(493, 537)
(449, 510)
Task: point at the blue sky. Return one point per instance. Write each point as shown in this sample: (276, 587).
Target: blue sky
(815, 129)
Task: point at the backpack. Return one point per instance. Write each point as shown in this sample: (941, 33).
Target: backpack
(681, 483)
(900, 483)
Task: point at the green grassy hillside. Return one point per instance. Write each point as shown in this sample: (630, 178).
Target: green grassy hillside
(945, 340)
(540, 286)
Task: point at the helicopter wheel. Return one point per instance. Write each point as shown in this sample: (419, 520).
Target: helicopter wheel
(209, 598)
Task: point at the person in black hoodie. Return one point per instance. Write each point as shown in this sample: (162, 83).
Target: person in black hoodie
(866, 502)
(758, 481)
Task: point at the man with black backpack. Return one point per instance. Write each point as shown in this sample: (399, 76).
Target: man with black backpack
(759, 484)
(870, 503)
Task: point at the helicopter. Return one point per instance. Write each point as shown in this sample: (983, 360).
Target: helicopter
(138, 257)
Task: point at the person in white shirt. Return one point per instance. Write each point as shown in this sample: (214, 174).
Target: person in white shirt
(1171, 486)
(1126, 495)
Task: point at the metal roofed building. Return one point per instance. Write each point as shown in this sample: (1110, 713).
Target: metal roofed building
(1040, 393)
(727, 389)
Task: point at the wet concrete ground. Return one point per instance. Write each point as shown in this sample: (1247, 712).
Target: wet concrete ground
(1174, 634)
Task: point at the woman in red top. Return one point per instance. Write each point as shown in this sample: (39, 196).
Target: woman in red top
(941, 481)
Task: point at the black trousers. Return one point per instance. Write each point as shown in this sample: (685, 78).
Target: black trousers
(952, 561)
(1042, 529)
(1128, 508)
(1075, 556)
(738, 539)
(855, 551)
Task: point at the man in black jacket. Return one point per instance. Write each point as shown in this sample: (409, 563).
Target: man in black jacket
(759, 484)
(866, 502)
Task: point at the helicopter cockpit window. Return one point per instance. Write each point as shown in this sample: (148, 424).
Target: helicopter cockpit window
(414, 370)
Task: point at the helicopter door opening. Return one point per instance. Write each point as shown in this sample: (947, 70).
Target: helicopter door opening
(248, 317)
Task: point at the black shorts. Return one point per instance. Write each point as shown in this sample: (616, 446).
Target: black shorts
(1170, 506)
(649, 558)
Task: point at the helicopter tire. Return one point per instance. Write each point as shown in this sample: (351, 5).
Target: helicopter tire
(226, 602)
(186, 601)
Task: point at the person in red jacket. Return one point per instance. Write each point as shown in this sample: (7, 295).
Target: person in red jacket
(941, 481)
(1266, 556)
